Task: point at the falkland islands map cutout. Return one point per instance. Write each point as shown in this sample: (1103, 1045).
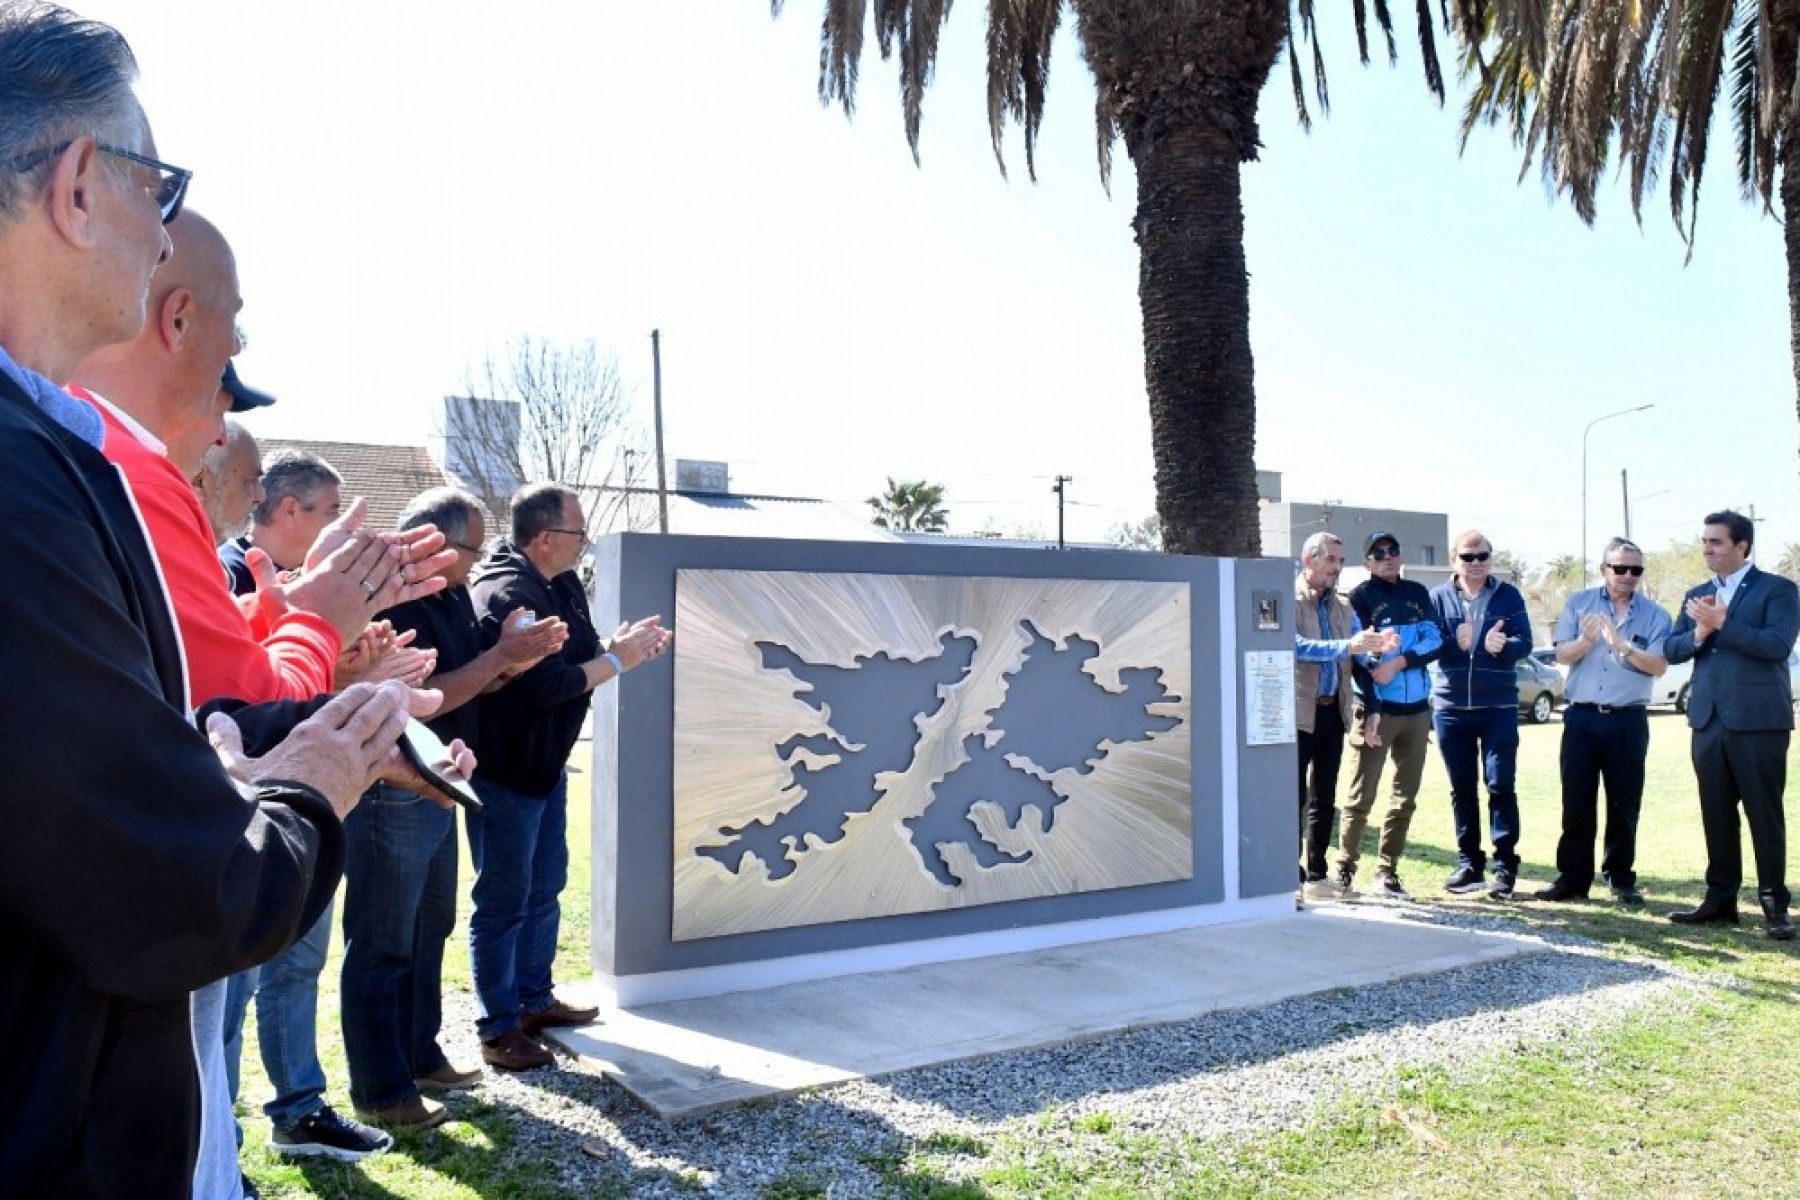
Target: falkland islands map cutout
(851, 746)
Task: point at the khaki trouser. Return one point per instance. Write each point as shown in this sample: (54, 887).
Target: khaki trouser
(1408, 739)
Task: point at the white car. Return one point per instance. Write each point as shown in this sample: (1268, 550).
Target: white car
(1672, 686)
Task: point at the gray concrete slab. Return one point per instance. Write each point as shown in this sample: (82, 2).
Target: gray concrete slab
(684, 1058)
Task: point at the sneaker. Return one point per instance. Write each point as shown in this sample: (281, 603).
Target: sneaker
(1388, 884)
(1327, 889)
(1465, 880)
(1346, 881)
(1628, 896)
(447, 1079)
(326, 1134)
(414, 1112)
(1504, 880)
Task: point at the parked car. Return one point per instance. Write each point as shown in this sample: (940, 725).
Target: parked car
(1672, 686)
(1540, 690)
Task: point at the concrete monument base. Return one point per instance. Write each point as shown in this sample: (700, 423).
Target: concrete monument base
(685, 1058)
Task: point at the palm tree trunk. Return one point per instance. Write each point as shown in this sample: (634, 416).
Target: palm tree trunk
(1195, 292)
(1180, 80)
(1790, 210)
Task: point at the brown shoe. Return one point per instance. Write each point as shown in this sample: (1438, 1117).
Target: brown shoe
(513, 1051)
(557, 1014)
(447, 1079)
(414, 1112)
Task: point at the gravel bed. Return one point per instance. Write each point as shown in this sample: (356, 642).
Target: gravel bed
(1230, 1075)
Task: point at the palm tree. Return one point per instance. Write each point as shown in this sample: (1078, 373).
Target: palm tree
(1581, 83)
(1179, 82)
(913, 506)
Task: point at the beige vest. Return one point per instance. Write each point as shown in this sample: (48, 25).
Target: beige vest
(1306, 675)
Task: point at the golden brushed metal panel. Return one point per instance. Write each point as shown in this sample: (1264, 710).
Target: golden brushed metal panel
(754, 756)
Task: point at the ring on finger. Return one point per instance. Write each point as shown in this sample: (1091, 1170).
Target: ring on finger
(368, 588)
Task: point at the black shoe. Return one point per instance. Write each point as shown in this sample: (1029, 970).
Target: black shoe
(1505, 880)
(327, 1135)
(1780, 926)
(1562, 891)
(1465, 880)
(1707, 914)
(1628, 896)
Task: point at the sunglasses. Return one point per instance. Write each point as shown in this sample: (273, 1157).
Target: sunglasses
(1475, 556)
(1623, 569)
(171, 186)
(1382, 553)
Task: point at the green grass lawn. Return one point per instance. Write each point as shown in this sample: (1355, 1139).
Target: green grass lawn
(1673, 1104)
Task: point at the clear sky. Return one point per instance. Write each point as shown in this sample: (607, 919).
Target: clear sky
(409, 184)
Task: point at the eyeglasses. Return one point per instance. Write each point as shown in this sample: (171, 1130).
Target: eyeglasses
(464, 546)
(1625, 569)
(1382, 553)
(170, 190)
(580, 533)
(1475, 555)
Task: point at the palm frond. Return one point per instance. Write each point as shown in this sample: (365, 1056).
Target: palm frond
(1385, 19)
(1020, 36)
(1434, 74)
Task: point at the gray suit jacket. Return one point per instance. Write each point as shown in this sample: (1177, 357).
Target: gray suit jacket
(1740, 672)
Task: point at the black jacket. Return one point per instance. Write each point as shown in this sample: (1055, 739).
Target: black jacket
(132, 870)
(529, 726)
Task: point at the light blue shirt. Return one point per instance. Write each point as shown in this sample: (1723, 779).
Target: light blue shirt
(1602, 677)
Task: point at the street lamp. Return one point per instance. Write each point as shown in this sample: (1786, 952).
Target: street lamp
(1588, 428)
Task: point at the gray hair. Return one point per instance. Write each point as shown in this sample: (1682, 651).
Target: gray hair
(1315, 545)
(61, 76)
(537, 507)
(295, 473)
(217, 455)
(450, 509)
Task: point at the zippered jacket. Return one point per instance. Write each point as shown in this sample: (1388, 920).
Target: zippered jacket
(1474, 678)
(1404, 607)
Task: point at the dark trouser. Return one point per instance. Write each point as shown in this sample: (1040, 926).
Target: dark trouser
(1406, 736)
(1751, 766)
(1601, 747)
(399, 907)
(1321, 751)
(1478, 743)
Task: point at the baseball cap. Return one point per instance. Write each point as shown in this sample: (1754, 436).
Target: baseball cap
(1375, 539)
(243, 396)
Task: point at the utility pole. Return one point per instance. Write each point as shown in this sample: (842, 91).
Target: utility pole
(1059, 487)
(629, 455)
(662, 476)
(1625, 497)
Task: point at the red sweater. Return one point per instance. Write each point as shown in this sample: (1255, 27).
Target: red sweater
(224, 659)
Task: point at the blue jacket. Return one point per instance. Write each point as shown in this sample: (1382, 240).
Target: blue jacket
(1474, 678)
(1404, 607)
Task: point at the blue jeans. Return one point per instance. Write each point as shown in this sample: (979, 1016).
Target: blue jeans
(287, 1011)
(399, 907)
(519, 844)
(1479, 743)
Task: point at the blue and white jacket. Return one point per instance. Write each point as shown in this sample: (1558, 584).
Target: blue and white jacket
(1404, 607)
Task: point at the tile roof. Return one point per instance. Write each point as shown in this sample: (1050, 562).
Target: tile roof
(387, 476)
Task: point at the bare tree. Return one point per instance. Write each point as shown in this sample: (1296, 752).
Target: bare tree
(542, 410)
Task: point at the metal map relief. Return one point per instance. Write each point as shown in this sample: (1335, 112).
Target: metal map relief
(851, 746)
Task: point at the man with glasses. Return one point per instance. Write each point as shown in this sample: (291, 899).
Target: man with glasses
(518, 838)
(1393, 713)
(134, 870)
(1738, 628)
(400, 879)
(1475, 711)
(1610, 638)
